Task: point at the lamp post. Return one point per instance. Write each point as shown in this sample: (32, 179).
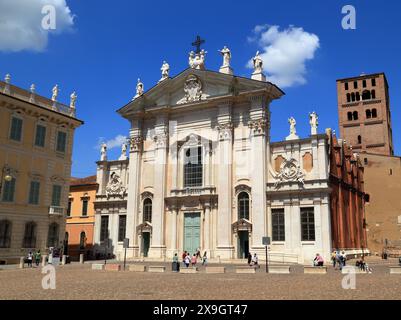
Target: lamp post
(5, 176)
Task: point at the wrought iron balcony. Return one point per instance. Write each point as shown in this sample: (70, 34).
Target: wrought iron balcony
(56, 211)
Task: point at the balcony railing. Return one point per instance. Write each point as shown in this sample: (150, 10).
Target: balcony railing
(56, 211)
(19, 93)
(193, 191)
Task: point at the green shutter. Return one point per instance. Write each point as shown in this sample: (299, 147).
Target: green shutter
(9, 189)
(61, 141)
(56, 197)
(40, 136)
(34, 192)
(16, 129)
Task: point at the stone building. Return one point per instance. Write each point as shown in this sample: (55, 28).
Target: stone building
(36, 138)
(203, 173)
(81, 217)
(365, 123)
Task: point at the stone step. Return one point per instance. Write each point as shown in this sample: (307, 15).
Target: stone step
(215, 270)
(315, 270)
(245, 270)
(97, 266)
(156, 269)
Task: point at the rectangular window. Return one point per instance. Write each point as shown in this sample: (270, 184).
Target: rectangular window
(373, 82)
(355, 84)
(307, 224)
(16, 129)
(61, 141)
(84, 207)
(278, 225)
(69, 208)
(9, 190)
(364, 83)
(34, 192)
(56, 196)
(104, 228)
(193, 167)
(121, 227)
(40, 136)
(346, 86)
(29, 240)
(5, 234)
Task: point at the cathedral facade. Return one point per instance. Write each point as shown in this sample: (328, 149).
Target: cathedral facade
(203, 174)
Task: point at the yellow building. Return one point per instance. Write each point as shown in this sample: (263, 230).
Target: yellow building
(81, 217)
(36, 138)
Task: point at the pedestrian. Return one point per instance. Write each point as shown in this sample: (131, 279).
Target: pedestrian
(193, 260)
(249, 258)
(339, 260)
(184, 254)
(187, 260)
(318, 261)
(176, 265)
(38, 255)
(198, 253)
(204, 259)
(255, 261)
(30, 258)
(343, 258)
(333, 258)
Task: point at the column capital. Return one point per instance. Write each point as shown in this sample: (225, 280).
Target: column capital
(135, 144)
(225, 131)
(259, 126)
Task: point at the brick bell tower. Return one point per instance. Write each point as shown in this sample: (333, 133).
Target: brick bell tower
(364, 113)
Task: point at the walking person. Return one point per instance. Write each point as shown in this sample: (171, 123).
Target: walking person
(255, 261)
(204, 259)
(193, 260)
(187, 260)
(343, 258)
(176, 265)
(30, 258)
(38, 256)
(333, 258)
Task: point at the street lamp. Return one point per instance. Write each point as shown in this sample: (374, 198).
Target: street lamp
(5, 175)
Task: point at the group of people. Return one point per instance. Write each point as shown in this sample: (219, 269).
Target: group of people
(253, 260)
(338, 259)
(187, 259)
(33, 257)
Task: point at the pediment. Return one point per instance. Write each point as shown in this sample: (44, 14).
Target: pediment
(192, 86)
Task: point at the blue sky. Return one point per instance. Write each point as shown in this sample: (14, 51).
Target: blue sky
(109, 46)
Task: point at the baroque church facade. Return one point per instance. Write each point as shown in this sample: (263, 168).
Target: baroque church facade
(202, 173)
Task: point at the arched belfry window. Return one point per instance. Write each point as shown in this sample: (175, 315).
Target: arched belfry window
(82, 240)
(147, 210)
(243, 206)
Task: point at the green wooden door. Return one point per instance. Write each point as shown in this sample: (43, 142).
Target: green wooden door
(191, 232)
(145, 243)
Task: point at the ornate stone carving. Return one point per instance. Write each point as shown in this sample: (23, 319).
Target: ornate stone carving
(165, 69)
(241, 225)
(135, 144)
(193, 90)
(115, 186)
(225, 131)
(257, 63)
(161, 140)
(139, 89)
(55, 93)
(259, 126)
(197, 60)
(146, 194)
(293, 131)
(290, 171)
(103, 152)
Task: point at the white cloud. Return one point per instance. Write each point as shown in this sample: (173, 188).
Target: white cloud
(285, 53)
(116, 142)
(21, 23)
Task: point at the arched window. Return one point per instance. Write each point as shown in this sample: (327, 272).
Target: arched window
(374, 113)
(359, 140)
(373, 93)
(368, 114)
(364, 83)
(348, 97)
(366, 95)
(147, 210)
(82, 240)
(5, 234)
(355, 115)
(243, 206)
(358, 96)
(52, 237)
(349, 116)
(352, 96)
(29, 235)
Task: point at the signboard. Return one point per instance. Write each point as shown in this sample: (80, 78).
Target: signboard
(126, 243)
(266, 241)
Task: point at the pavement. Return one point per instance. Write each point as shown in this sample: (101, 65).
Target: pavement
(78, 281)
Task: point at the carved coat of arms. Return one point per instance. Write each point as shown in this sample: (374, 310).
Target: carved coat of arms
(289, 171)
(193, 90)
(115, 186)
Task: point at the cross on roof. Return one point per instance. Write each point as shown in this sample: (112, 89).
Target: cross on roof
(197, 43)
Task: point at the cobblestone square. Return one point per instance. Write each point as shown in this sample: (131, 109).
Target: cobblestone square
(75, 281)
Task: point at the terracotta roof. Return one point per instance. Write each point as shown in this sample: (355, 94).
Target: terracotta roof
(83, 181)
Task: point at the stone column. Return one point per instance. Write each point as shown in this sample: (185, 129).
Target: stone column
(224, 248)
(81, 258)
(326, 227)
(206, 229)
(133, 201)
(173, 229)
(21, 262)
(259, 128)
(158, 246)
(97, 227)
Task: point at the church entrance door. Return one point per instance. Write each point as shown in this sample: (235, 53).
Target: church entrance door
(243, 244)
(191, 232)
(145, 243)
